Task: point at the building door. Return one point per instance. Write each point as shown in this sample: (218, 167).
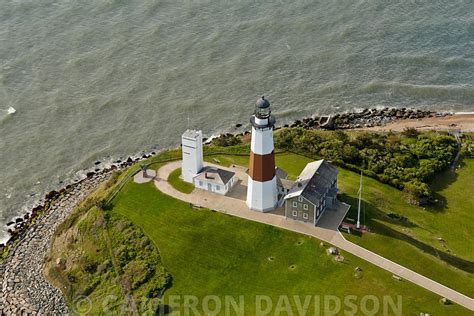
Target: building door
(209, 187)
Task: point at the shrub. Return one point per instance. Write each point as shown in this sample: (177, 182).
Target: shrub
(410, 132)
(101, 204)
(396, 159)
(226, 140)
(416, 191)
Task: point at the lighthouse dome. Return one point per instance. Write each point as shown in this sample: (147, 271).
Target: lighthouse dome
(262, 103)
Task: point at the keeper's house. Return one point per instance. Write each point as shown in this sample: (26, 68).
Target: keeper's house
(314, 191)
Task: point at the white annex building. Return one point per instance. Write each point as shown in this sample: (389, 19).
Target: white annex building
(193, 171)
(191, 142)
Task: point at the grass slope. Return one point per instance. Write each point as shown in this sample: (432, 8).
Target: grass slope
(212, 253)
(427, 225)
(451, 219)
(454, 214)
(391, 238)
(106, 258)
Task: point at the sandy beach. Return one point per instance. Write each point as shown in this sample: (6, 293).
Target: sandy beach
(460, 121)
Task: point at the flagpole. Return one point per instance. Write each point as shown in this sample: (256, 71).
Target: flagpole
(360, 199)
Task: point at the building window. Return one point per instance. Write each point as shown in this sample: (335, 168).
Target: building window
(300, 198)
(218, 187)
(295, 213)
(305, 215)
(200, 183)
(305, 207)
(295, 204)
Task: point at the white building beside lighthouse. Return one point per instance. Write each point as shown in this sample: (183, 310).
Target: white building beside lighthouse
(191, 142)
(262, 193)
(193, 171)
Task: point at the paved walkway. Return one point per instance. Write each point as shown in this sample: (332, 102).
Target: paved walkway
(141, 177)
(327, 229)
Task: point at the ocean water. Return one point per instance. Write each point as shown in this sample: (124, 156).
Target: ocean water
(99, 80)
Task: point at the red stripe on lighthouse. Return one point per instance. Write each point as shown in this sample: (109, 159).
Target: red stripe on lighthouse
(262, 167)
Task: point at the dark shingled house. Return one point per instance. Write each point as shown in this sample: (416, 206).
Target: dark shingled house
(314, 191)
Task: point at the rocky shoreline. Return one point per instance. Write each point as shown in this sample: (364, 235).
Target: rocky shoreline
(23, 289)
(366, 118)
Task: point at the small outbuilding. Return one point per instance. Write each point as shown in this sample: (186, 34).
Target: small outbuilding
(215, 180)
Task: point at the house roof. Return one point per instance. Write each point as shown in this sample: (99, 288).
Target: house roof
(282, 179)
(287, 184)
(215, 175)
(314, 181)
(262, 103)
(280, 173)
(192, 134)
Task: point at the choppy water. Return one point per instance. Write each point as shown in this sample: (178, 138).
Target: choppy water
(95, 79)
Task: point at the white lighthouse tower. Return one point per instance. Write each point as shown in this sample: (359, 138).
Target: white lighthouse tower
(262, 194)
(191, 142)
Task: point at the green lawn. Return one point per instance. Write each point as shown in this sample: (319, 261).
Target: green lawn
(388, 235)
(454, 214)
(425, 225)
(210, 253)
(175, 180)
(228, 160)
(452, 219)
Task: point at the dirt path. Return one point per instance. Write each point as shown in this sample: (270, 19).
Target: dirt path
(463, 122)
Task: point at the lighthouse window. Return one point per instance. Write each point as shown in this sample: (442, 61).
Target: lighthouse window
(300, 198)
(295, 204)
(305, 215)
(305, 207)
(295, 213)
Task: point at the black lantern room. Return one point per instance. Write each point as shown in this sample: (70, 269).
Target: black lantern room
(262, 117)
(262, 108)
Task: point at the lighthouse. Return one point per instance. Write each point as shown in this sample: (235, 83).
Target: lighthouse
(262, 194)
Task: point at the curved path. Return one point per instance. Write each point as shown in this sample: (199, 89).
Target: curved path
(327, 229)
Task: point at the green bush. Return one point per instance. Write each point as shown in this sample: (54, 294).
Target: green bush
(410, 132)
(226, 140)
(416, 191)
(405, 159)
